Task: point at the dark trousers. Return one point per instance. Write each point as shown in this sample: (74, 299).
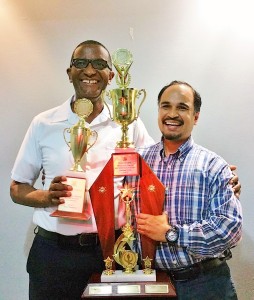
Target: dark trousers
(216, 284)
(57, 273)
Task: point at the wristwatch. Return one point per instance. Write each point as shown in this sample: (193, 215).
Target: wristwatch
(172, 234)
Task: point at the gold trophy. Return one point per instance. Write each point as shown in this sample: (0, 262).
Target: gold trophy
(81, 140)
(124, 98)
(125, 161)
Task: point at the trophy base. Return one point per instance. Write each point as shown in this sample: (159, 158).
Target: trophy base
(137, 276)
(162, 288)
(71, 215)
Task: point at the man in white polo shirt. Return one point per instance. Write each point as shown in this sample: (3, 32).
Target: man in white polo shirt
(66, 252)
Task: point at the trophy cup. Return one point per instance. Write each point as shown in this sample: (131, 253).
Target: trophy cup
(124, 98)
(81, 140)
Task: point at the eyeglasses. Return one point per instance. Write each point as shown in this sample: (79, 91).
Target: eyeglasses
(98, 64)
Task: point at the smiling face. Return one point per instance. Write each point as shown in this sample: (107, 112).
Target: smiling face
(90, 82)
(177, 116)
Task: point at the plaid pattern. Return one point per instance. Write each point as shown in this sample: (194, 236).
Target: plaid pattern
(198, 200)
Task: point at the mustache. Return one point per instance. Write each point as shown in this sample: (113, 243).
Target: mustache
(180, 121)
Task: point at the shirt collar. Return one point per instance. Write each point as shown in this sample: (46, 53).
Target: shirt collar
(185, 147)
(181, 151)
(65, 113)
(104, 116)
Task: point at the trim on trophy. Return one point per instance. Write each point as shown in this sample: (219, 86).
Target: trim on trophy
(71, 215)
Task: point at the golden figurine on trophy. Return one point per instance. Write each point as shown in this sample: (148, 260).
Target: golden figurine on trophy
(124, 98)
(127, 258)
(123, 254)
(81, 140)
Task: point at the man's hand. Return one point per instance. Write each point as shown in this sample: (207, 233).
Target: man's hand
(25, 194)
(236, 185)
(57, 190)
(153, 227)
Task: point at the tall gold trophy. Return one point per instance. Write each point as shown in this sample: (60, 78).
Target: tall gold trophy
(126, 162)
(81, 140)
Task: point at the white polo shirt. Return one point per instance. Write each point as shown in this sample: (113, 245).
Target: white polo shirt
(44, 147)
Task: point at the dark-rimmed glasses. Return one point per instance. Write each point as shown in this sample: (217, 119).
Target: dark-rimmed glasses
(98, 64)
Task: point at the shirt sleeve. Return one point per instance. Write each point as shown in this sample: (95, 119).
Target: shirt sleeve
(28, 163)
(221, 227)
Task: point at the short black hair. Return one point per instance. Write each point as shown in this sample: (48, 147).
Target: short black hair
(196, 95)
(92, 42)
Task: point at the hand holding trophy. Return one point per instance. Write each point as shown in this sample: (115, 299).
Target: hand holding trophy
(81, 140)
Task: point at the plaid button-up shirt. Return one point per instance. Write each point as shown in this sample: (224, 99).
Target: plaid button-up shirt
(199, 200)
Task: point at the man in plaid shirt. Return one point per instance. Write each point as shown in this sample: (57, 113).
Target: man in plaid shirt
(203, 217)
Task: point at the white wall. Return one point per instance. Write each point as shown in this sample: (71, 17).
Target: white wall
(209, 44)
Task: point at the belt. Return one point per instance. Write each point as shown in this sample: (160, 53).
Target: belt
(71, 241)
(196, 269)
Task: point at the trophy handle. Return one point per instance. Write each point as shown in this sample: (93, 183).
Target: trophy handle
(68, 130)
(108, 95)
(144, 97)
(95, 135)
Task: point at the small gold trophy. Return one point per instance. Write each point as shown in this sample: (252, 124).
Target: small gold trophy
(81, 140)
(124, 98)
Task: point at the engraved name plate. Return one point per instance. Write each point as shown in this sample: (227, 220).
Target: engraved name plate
(100, 290)
(156, 288)
(129, 289)
(126, 164)
(74, 203)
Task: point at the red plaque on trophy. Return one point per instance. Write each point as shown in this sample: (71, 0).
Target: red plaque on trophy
(126, 164)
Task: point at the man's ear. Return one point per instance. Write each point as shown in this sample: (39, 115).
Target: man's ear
(111, 75)
(196, 117)
(68, 71)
